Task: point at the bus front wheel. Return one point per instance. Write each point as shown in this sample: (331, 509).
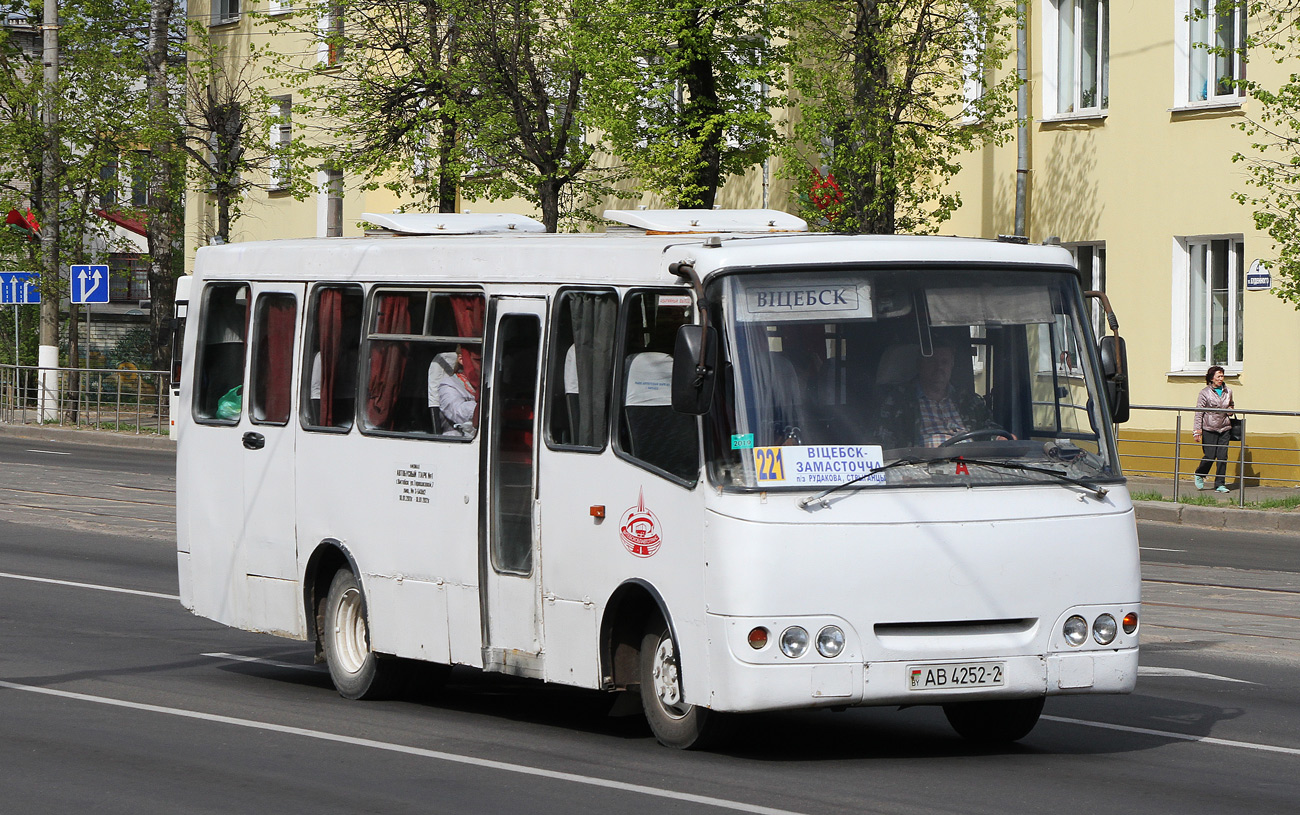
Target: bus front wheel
(674, 722)
(357, 672)
(999, 721)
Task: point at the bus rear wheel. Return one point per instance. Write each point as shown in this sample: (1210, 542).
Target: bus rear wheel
(357, 672)
(674, 722)
(999, 721)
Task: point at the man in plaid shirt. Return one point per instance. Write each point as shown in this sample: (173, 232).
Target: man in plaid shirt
(928, 410)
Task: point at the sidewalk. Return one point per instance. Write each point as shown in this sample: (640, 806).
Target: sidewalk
(108, 438)
(1226, 515)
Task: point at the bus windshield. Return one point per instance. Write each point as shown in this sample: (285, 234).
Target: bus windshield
(950, 377)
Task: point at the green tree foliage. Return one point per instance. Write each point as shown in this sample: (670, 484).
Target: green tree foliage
(1273, 126)
(389, 73)
(684, 92)
(885, 104)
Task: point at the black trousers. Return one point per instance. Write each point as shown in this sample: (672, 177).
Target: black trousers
(1215, 447)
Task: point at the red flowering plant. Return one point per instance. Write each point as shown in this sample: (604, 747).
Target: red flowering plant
(825, 195)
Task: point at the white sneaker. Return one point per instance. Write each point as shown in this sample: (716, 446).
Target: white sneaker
(1200, 482)
(1221, 489)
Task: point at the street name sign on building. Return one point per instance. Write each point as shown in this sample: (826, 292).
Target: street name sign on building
(19, 287)
(90, 284)
(1258, 277)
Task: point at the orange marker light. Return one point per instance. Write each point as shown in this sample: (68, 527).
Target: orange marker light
(598, 511)
(758, 638)
(1130, 622)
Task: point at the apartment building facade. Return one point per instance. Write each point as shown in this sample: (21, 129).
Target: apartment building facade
(1133, 128)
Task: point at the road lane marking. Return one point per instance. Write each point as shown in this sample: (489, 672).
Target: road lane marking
(1166, 734)
(261, 661)
(50, 452)
(1183, 672)
(1158, 549)
(437, 755)
(89, 586)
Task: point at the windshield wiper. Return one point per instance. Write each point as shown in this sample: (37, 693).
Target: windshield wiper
(1099, 492)
(820, 498)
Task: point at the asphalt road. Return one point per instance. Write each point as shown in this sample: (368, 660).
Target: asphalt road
(114, 699)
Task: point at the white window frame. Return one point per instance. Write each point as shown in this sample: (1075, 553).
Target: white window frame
(1191, 280)
(224, 12)
(1189, 60)
(329, 24)
(1095, 251)
(275, 8)
(280, 136)
(1054, 37)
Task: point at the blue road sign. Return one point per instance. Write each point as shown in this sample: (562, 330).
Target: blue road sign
(90, 284)
(19, 287)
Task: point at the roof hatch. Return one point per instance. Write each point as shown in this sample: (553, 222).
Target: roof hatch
(453, 223)
(672, 221)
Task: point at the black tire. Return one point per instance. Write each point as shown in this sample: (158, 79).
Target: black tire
(995, 722)
(357, 672)
(674, 722)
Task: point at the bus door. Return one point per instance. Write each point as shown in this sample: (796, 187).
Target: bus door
(266, 435)
(509, 563)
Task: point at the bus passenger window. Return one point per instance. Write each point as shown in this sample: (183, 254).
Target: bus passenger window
(330, 364)
(423, 360)
(218, 393)
(650, 430)
(582, 369)
(274, 321)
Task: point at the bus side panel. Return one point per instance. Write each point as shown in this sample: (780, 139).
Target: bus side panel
(406, 512)
(587, 559)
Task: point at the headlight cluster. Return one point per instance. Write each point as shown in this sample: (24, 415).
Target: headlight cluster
(794, 641)
(1103, 628)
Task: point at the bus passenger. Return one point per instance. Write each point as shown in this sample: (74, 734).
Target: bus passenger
(458, 395)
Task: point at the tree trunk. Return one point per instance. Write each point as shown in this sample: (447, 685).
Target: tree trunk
(162, 228)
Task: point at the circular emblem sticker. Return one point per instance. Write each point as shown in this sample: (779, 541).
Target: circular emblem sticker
(639, 529)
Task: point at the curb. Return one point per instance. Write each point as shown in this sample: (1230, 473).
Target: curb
(1231, 518)
(104, 438)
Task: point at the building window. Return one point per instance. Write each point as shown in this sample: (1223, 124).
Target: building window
(1210, 51)
(224, 11)
(1091, 260)
(329, 51)
(1077, 56)
(1208, 306)
(281, 137)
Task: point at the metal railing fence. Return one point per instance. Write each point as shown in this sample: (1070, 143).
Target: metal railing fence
(121, 399)
(1178, 457)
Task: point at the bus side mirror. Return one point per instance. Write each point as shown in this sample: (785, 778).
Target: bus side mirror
(1114, 368)
(693, 374)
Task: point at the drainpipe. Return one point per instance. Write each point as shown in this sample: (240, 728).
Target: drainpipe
(1022, 117)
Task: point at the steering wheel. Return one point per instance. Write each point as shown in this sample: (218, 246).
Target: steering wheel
(982, 433)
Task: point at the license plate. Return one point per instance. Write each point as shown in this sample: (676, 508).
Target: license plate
(957, 675)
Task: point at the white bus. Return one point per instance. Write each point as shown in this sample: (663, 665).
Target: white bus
(705, 457)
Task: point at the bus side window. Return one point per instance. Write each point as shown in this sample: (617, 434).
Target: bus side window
(274, 321)
(650, 430)
(409, 388)
(218, 391)
(329, 386)
(582, 369)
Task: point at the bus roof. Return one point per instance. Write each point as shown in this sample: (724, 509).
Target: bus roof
(623, 257)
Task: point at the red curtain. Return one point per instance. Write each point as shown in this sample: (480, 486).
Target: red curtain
(387, 360)
(469, 310)
(280, 316)
(329, 322)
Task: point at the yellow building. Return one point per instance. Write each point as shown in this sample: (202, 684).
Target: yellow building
(1130, 143)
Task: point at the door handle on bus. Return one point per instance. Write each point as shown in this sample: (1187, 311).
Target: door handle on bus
(254, 441)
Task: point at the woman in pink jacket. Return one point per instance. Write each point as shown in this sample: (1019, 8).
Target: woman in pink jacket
(1211, 429)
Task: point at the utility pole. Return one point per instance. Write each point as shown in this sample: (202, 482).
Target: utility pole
(48, 354)
(1022, 120)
